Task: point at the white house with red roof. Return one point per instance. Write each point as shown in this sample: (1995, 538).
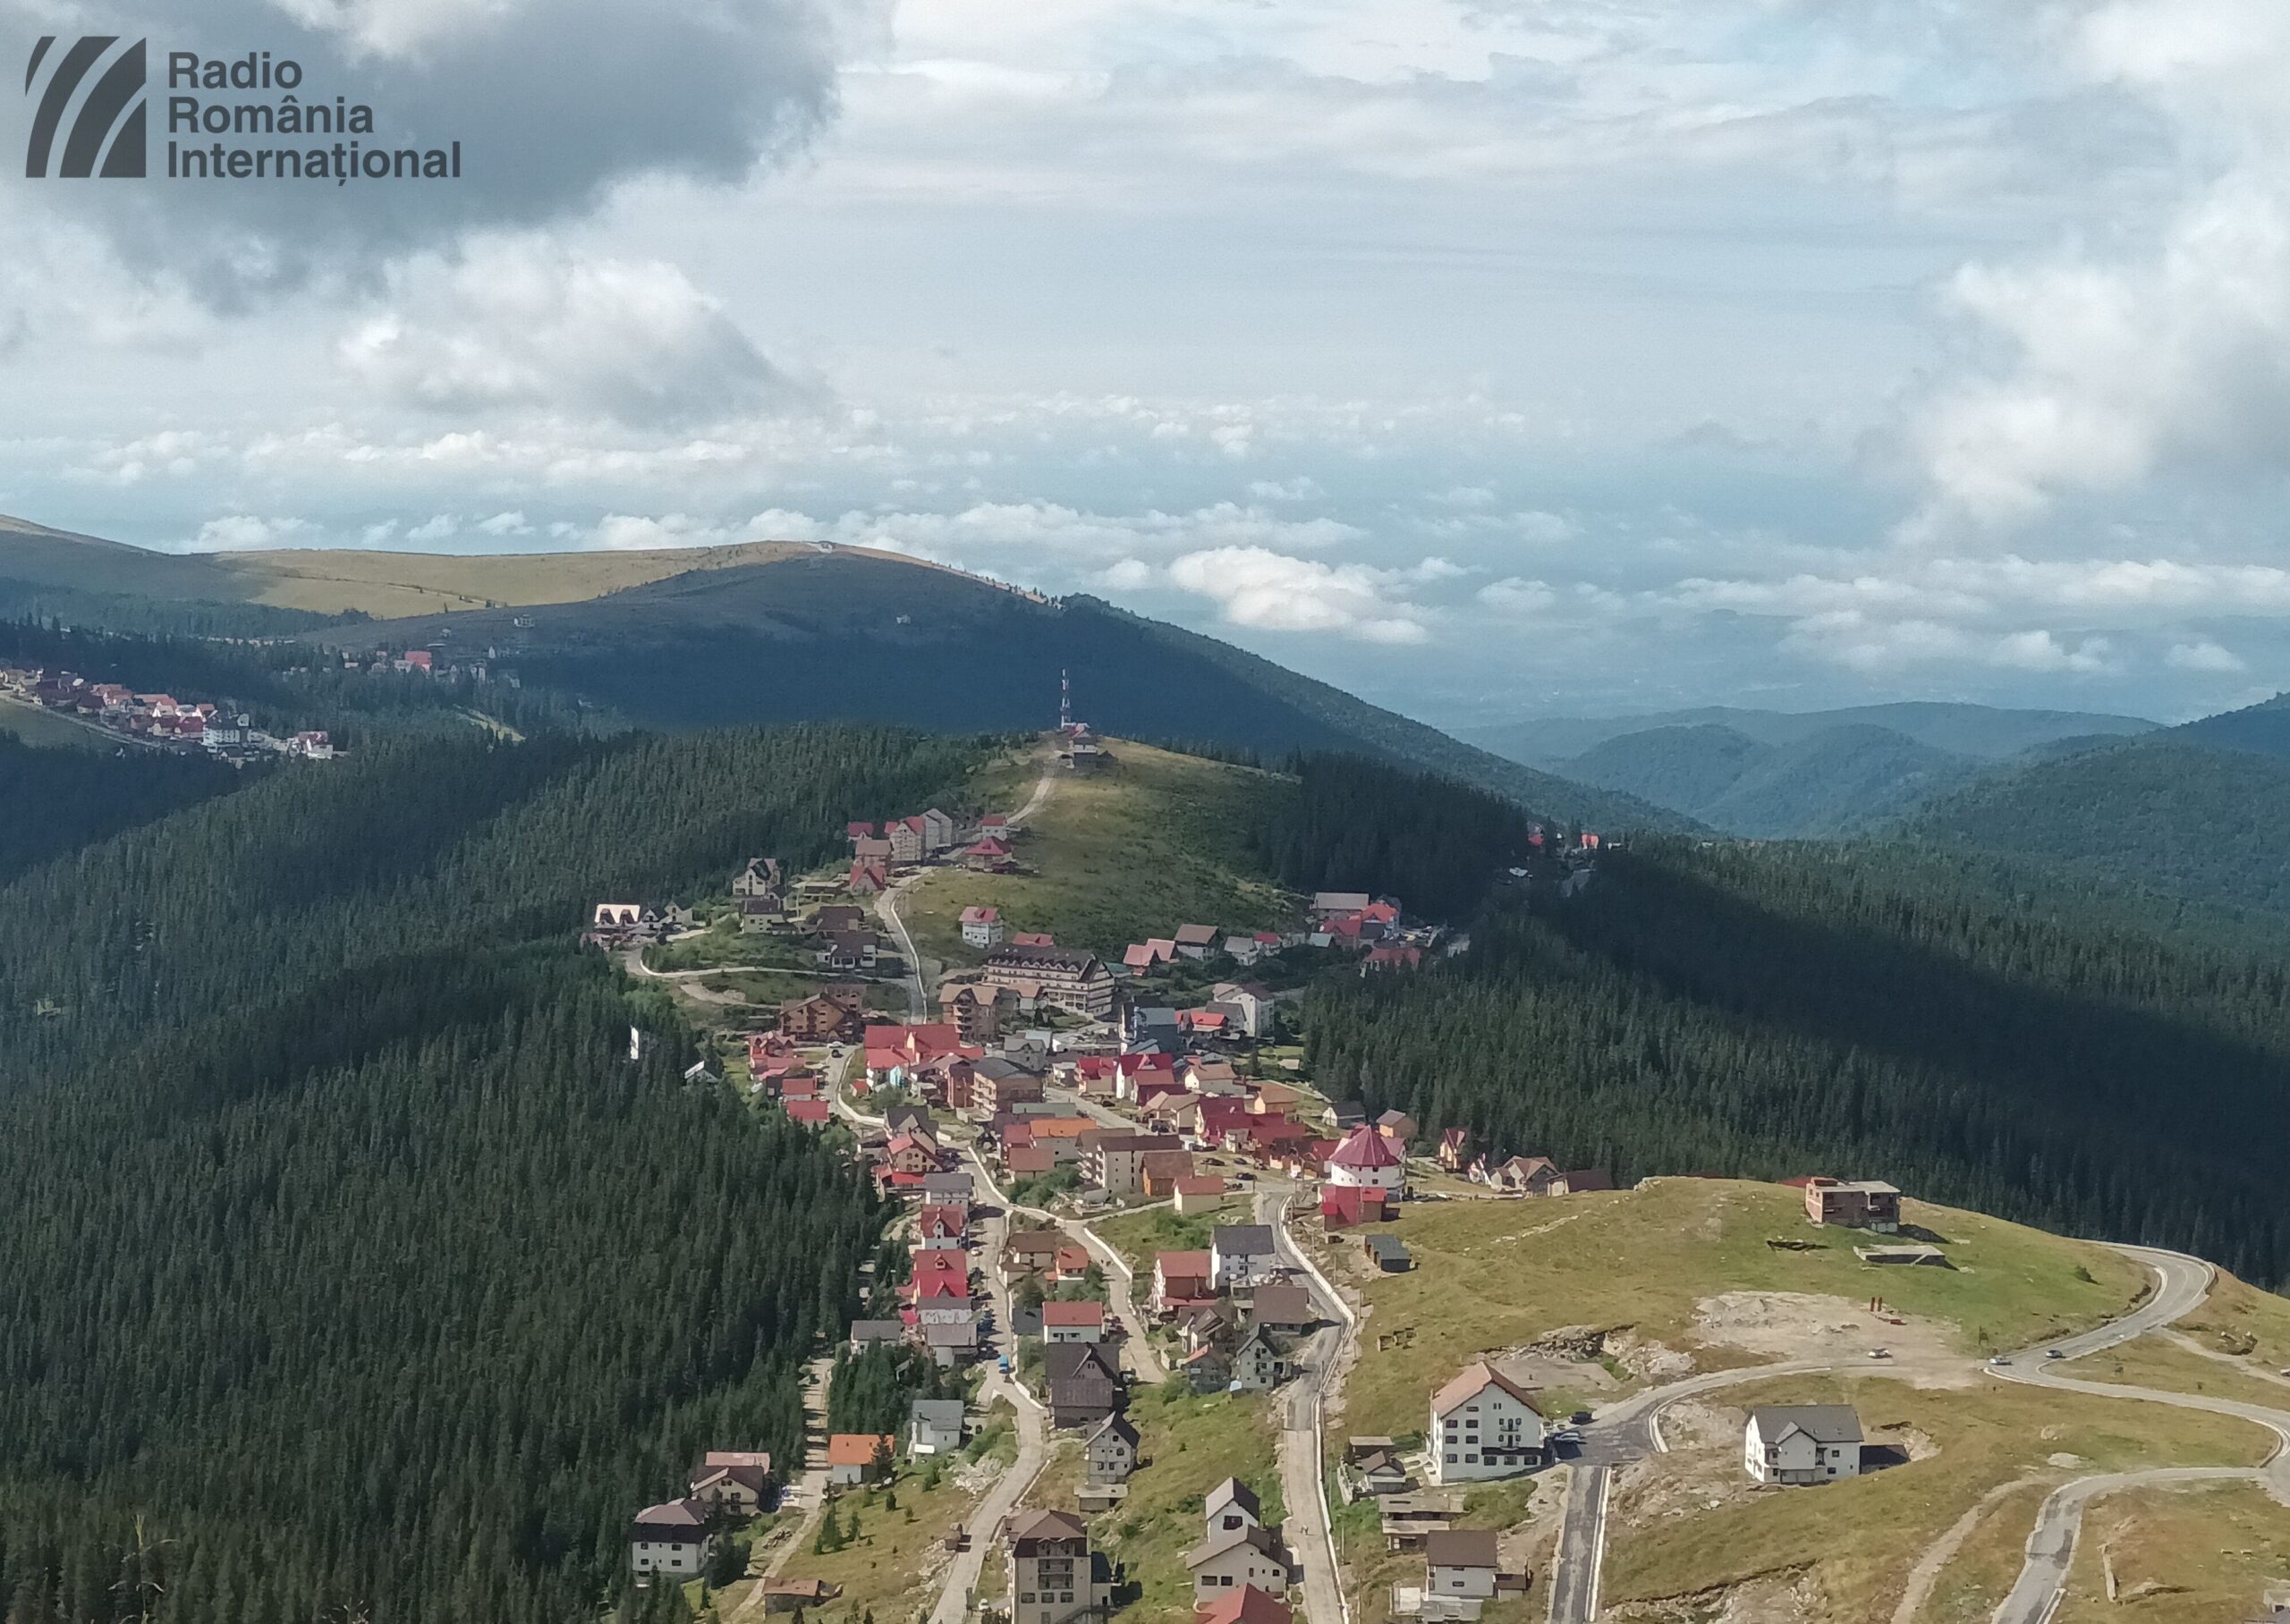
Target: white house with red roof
(1366, 1160)
(982, 925)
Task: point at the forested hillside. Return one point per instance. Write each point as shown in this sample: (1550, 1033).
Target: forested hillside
(1352, 824)
(349, 1267)
(54, 801)
(2208, 824)
(1863, 1012)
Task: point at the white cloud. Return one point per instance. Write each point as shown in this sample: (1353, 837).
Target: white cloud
(1301, 488)
(514, 323)
(1516, 596)
(2204, 655)
(1278, 592)
(239, 532)
(505, 524)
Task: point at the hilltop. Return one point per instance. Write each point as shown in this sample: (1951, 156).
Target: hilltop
(774, 631)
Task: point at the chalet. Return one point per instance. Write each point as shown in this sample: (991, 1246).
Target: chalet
(937, 831)
(1483, 1425)
(1194, 941)
(989, 854)
(1255, 1363)
(1242, 1257)
(868, 879)
(1083, 1383)
(1030, 1252)
(1282, 1310)
(758, 876)
(953, 1185)
(1245, 1605)
(797, 1596)
(981, 926)
(1334, 904)
(732, 1483)
(1230, 1559)
(898, 1055)
(1208, 1368)
(672, 1539)
(1454, 1150)
(1199, 1193)
(1053, 1576)
(1459, 1566)
(1344, 1115)
(943, 1227)
(904, 835)
(1366, 1159)
(1072, 1322)
(1380, 1471)
(1860, 1203)
(865, 1334)
(838, 916)
(1110, 1451)
(1392, 956)
(1525, 1175)
(810, 1114)
(1206, 1074)
(856, 1458)
(934, 1426)
(1399, 1127)
(1181, 1280)
(951, 1341)
(757, 913)
(1069, 977)
(849, 950)
(1802, 1444)
(1029, 1161)
(1250, 1006)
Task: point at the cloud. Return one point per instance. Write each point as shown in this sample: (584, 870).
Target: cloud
(1852, 640)
(1516, 595)
(1299, 489)
(2204, 655)
(555, 103)
(516, 324)
(240, 532)
(1278, 592)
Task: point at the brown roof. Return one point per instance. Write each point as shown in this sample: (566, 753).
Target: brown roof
(1283, 1305)
(1474, 1379)
(1460, 1548)
(1072, 1313)
(1047, 1525)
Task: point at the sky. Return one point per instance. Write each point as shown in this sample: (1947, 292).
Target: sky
(1489, 359)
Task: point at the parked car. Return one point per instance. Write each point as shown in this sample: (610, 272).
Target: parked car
(1998, 1359)
(1581, 1418)
(2052, 1353)
(1881, 1353)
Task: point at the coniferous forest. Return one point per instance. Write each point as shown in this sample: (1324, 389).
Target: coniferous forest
(1867, 1012)
(349, 1268)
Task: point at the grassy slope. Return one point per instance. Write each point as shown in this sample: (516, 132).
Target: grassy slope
(33, 725)
(2161, 1361)
(1861, 1537)
(1494, 1275)
(1194, 1443)
(1156, 841)
(2200, 1556)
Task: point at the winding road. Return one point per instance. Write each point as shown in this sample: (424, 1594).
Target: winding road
(1303, 1461)
(1631, 1429)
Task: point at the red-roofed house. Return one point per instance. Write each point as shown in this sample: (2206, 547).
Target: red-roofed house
(1072, 1322)
(866, 879)
(943, 1227)
(897, 1055)
(1032, 938)
(1399, 956)
(810, 1113)
(1180, 1281)
(1366, 1160)
(859, 831)
(1029, 1161)
(1343, 1205)
(981, 926)
(1245, 1605)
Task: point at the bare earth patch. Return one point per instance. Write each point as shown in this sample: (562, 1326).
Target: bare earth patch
(1778, 1598)
(1793, 1326)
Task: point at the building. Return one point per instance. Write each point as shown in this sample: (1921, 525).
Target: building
(1859, 1203)
(981, 926)
(998, 1086)
(1460, 1565)
(1483, 1425)
(1115, 1161)
(1067, 977)
(1180, 1281)
(1802, 1444)
(1366, 1160)
(1282, 1310)
(974, 1009)
(1084, 1381)
(934, 1426)
(1054, 1576)
(795, 1595)
(865, 1334)
(1194, 941)
(1110, 1453)
(1242, 1257)
(1525, 1175)
(1229, 1559)
(1388, 1253)
(1255, 1365)
(735, 1482)
(856, 1458)
(1065, 1322)
(1200, 1193)
(671, 1538)
(1246, 1606)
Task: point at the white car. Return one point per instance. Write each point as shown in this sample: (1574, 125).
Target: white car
(1881, 1353)
(1999, 1359)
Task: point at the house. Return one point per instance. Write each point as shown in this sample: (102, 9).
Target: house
(1067, 977)
(1380, 1471)
(989, 854)
(1072, 1322)
(795, 1595)
(1392, 956)
(1207, 1369)
(1399, 1127)
(1194, 941)
(733, 1483)
(1054, 1578)
(1246, 1606)
(1860, 1203)
(1802, 1444)
(1454, 1152)
(838, 916)
(1083, 1381)
(856, 1458)
(865, 1334)
(1387, 1254)
(1332, 904)
(1242, 1257)
(974, 1008)
(998, 1084)
(904, 837)
(942, 1226)
(937, 831)
(1255, 1363)
(758, 876)
(849, 950)
(1282, 1310)
(1366, 1159)
(1110, 1453)
(951, 1341)
(1232, 1505)
(1525, 1175)
(1205, 1327)
(868, 879)
(1160, 1171)
(1345, 1206)
(934, 1426)
(1250, 1006)
(1483, 1425)
(1581, 1181)
(1203, 1193)
(1230, 1559)
(1459, 1564)
(671, 1538)
(981, 926)
(1180, 1281)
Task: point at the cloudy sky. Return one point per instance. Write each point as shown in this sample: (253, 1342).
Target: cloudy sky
(1487, 358)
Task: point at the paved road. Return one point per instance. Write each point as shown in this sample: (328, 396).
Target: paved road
(962, 1571)
(1303, 1481)
(1121, 1283)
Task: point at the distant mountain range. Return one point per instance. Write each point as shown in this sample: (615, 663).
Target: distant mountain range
(1782, 774)
(777, 632)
